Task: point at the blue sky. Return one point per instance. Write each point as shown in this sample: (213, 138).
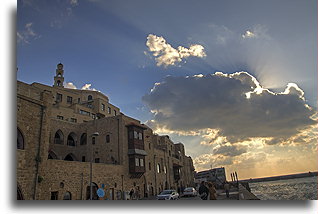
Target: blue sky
(104, 43)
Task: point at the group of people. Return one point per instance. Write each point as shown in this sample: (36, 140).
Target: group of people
(207, 190)
(134, 194)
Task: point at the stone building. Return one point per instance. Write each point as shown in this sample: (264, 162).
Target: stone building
(69, 138)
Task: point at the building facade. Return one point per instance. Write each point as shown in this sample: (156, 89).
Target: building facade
(68, 139)
(215, 175)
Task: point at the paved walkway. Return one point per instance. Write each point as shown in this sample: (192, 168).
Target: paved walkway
(234, 194)
(221, 195)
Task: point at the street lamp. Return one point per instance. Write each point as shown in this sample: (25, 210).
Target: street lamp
(95, 134)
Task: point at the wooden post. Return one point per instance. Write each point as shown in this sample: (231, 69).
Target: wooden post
(236, 177)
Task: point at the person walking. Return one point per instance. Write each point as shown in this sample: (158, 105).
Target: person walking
(212, 191)
(137, 193)
(131, 193)
(203, 191)
(227, 189)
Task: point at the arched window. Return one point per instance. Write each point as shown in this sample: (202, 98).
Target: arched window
(70, 157)
(58, 137)
(83, 139)
(158, 168)
(89, 97)
(107, 138)
(19, 194)
(58, 83)
(20, 139)
(71, 139)
(67, 196)
(52, 155)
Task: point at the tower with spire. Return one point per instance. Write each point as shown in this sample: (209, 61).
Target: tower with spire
(59, 78)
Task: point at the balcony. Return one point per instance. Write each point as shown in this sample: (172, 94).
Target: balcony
(58, 141)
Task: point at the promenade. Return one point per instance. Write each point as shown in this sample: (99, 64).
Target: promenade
(236, 193)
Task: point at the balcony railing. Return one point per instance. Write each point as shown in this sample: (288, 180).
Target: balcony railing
(71, 143)
(58, 141)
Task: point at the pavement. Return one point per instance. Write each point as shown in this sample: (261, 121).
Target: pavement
(234, 194)
(221, 195)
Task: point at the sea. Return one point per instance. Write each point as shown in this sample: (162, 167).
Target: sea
(288, 189)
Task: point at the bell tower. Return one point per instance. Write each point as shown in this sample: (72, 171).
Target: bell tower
(58, 78)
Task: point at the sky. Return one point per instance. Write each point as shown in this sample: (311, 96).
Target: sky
(234, 81)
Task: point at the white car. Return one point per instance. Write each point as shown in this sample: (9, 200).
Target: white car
(190, 191)
(169, 194)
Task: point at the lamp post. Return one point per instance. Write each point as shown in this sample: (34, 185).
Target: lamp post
(91, 169)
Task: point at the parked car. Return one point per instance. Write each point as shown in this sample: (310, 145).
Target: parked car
(190, 191)
(169, 194)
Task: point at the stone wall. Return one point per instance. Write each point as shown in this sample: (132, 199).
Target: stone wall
(33, 112)
(74, 177)
(41, 178)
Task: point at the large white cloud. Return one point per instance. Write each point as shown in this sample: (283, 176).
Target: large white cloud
(235, 106)
(70, 85)
(167, 55)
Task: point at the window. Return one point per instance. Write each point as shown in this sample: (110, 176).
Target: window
(93, 140)
(20, 140)
(131, 135)
(109, 110)
(58, 137)
(84, 112)
(83, 139)
(149, 146)
(69, 99)
(58, 83)
(93, 116)
(70, 157)
(67, 196)
(73, 120)
(107, 138)
(89, 105)
(165, 169)
(59, 117)
(52, 155)
(19, 194)
(58, 97)
(83, 158)
(140, 136)
(71, 139)
(54, 195)
(137, 161)
(149, 166)
(141, 162)
(89, 97)
(103, 107)
(97, 160)
(158, 168)
(115, 112)
(135, 135)
(78, 100)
